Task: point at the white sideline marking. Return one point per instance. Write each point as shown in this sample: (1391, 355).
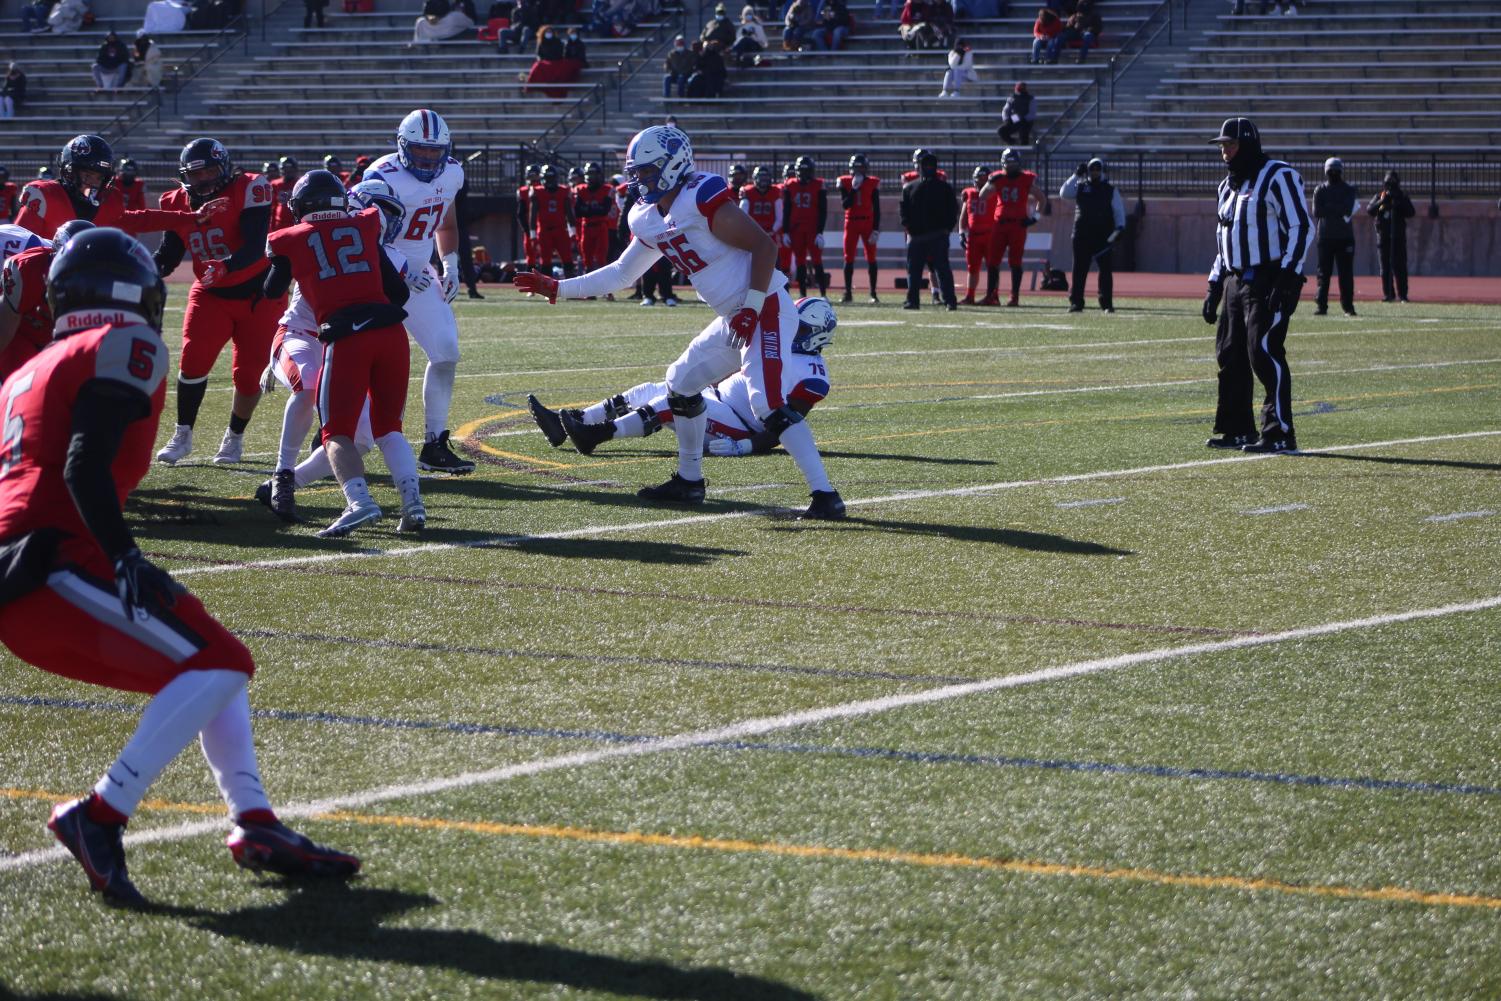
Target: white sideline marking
(770, 724)
(1091, 503)
(1279, 509)
(696, 519)
(1456, 516)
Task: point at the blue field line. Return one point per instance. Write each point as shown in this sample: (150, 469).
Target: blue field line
(870, 753)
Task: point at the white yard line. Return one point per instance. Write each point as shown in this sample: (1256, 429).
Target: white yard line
(1460, 515)
(1091, 503)
(1279, 509)
(770, 724)
(897, 498)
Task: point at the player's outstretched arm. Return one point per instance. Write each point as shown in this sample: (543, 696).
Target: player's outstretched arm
(618, 274)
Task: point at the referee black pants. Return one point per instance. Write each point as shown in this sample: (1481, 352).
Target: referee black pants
(1093, 248)
(1337, 256)
(929, 251)
(1249, 341)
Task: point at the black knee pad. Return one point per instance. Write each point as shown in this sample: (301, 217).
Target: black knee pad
(685, 406)
(616, 406)
(781, 419)
(651, 422)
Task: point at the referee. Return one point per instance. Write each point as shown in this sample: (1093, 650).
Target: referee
(1263, 237)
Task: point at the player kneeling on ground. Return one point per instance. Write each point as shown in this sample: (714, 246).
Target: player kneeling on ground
(78, 599)
(691, 219)
(733, 428)
(356, 293)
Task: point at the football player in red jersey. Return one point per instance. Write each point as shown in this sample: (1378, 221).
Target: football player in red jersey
(1017, 206)
(805, 212)
(81, 190)
(225, 304)
(335, 166)
(356, 292)
(593, 204)
(80, 601)
(281, 192)
(529, 184)
(762, 201)
(552, 221)
(976, 221)
(25, 318)
(10, 196)
(132, 187)
(861, 196)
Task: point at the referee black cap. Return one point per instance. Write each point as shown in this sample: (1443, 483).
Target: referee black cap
(1238, 130)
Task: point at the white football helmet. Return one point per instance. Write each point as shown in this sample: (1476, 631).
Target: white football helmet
(657, 161)
(815, 325)
(378, 191)
(423, 144)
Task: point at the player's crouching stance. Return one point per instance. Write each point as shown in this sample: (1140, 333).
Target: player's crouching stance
(691, 219)
(733, 429)
(78, 599)
(356, 292)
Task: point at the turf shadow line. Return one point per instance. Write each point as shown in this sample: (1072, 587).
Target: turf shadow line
(710, 665)
(877, 753)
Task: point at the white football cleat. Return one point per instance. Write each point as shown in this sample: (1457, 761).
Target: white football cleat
(180, 447)
(231, 448)
(413, 518)
(353, 517)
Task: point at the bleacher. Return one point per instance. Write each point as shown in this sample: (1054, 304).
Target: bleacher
(1358, 76)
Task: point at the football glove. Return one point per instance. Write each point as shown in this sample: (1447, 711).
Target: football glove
(743, 326)
(963, 241)
(144, 585)
(209, 209)
(1212, 301)
(419, 280)
(449, 283)
(1031, 220)
(1114, 235)
(818, 240)
(729, 447)
(268, 378)
(1287, 286)
(536, 283)
(213, 273)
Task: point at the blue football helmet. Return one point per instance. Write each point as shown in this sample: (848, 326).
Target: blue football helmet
(423, 144)
(376, 191)
(815, 325)
(657, 160)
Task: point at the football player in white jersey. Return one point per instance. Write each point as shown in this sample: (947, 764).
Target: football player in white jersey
(427, 179)
(691, 219)
(733, 427)
(297, 358)
(14, 239)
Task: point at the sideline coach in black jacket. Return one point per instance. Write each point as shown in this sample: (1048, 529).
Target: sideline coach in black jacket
(1262, 239)
(929, 213)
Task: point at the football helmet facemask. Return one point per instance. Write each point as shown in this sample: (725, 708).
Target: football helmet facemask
(423, 145)
(657, 160)
(761, 177)
(804, 167)
(204, 167)
(85, 153)
(815, 325)
(376, 191)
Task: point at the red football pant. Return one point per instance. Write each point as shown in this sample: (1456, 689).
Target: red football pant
(373, 363)
(529, 247)
(594, 246)
(803, 247)
(554, 242)
(1008, 238)
(977, 256)
(859, 233)
(75, 627)
(784, 258)
(211, 321)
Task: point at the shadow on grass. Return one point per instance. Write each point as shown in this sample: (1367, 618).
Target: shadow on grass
(347, 922)
(1016, 538)
(1396, 460)
(891, 457)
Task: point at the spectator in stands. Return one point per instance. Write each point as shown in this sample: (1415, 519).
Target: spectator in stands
(708, 78)
(467, 8)
(797, 25)
(34, 16)
(526, 18)
(1017, 117)
(961, 69)
(916, 27)
(147, 55)
(1392, 208)
(943, 21)
(313, 10)
(111, 64)
(67, 17)
(574, 49)
(1083, 26)
(679, 66)
(750, 40)
(552, 64)
(831, 28)
(719, 28)
(1046, 28)
(549, 45)
(13, 92)
(1334, 204)
(440, 22)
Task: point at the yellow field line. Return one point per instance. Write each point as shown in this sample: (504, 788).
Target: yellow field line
(930, 860)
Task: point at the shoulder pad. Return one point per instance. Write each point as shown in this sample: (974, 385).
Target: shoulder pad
(10, 284)
(257, 191)
(134, 355)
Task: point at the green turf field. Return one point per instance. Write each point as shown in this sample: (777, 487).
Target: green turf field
(1070, 707)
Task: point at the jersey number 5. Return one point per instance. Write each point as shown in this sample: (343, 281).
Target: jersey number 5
(424, 221)
(681, 255)
(15, 425)
(348, 246)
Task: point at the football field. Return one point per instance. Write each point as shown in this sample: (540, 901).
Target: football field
(1071, 706)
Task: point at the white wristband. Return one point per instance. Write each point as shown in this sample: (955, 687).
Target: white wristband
(451, 263)
(753, 300)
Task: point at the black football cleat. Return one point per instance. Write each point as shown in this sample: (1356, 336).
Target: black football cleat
(675, 491)
(279, 849)
(1230, 441)
(585, 437)
(99, 848)
(547, 421)
(436, 456)
(280, 495)
(827, 506)
(1271, 446)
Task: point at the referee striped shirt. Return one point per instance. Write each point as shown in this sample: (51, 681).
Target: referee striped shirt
(1262, 222)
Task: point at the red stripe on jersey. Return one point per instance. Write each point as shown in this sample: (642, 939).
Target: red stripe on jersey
(711, 206)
